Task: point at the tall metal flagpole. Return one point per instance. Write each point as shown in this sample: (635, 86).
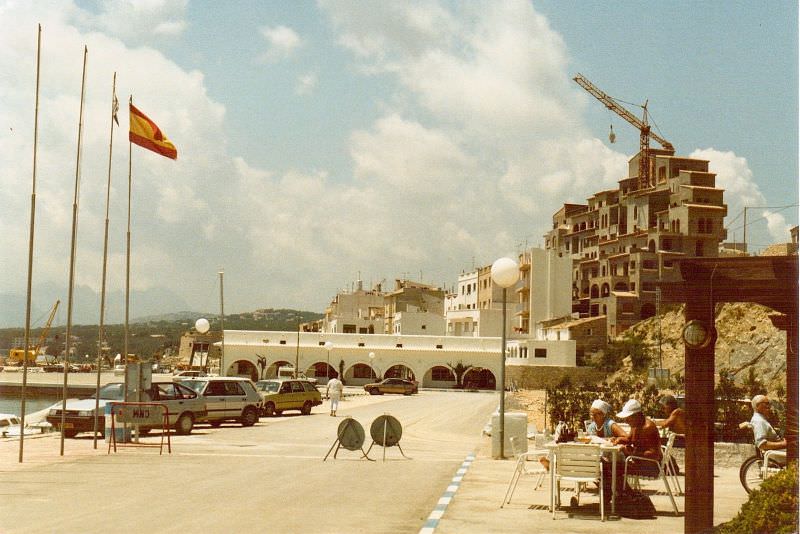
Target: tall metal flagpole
(128, 261)
(75, 198)
(30, 251)
(222, 324)
(101, 330)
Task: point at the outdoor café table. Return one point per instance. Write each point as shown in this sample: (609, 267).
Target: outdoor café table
(606, 447)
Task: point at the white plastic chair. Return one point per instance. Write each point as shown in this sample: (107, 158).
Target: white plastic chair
(671, 465)
(527, 464)
(663, 468)
(578, 463)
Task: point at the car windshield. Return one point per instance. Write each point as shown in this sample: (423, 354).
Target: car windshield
(268, 386)
(113, 391)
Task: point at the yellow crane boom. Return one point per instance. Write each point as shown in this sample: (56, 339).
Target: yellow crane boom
(15, 356)
(645, 133)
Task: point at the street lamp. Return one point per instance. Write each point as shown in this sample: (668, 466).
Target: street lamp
(505, 273)
(371, 368)
(202, 326)
(328, 346)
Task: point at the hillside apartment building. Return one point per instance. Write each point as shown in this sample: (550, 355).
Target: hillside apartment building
(625, 240)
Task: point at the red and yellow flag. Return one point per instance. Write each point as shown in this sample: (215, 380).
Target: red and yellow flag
(146, 134)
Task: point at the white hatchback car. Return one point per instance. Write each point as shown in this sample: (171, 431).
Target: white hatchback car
(228, 398)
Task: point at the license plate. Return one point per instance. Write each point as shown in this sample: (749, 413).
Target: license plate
(67, 425)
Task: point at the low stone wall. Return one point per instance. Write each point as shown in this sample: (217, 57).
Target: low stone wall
(725, 454)
(542, 377)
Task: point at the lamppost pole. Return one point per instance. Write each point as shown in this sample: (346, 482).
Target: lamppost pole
(505, 273)
(328, 347)
(371, 368)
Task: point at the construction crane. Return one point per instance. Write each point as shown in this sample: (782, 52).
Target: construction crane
(15, 356)
(644, 128)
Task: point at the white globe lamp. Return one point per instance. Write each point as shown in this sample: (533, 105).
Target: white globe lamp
(202, 325)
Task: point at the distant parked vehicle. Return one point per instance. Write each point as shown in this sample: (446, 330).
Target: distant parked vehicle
(392, 385)
(185, 406)
(282, 395)
(183, 375)
(228, 398)
(285, 373)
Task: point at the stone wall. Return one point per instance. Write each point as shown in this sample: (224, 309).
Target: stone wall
(542, 377)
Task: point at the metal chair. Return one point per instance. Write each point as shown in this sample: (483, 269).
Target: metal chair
(672, 469)
(663, 467)
(527, 464)
(581, 464)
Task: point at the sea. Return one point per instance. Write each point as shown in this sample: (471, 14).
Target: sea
(13, 405)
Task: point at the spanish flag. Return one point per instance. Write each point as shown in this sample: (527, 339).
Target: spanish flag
(146, 134)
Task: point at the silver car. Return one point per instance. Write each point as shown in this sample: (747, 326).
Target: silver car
(228, 398)
(185, 407)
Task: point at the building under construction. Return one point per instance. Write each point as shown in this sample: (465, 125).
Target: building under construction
(625, 240)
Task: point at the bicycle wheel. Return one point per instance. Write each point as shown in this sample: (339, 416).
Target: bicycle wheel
(750, 474)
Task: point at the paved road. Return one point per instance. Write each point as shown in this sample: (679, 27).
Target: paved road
(268, 478)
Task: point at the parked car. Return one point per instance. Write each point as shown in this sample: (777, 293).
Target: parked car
(228, 398)
(285, 373)
(392, 385)
(282, 395)
(185, 407)
(183, 375)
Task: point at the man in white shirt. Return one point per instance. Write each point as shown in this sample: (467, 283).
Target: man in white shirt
(334, 393)
(766, 439)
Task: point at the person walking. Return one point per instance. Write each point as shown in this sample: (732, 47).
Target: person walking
(334, 392)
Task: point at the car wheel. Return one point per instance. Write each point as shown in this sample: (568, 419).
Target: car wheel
(269, 409)
(249, 416)
(184, 424)
(374, 392)
(215, 424)
(70, 433)
(306, 410)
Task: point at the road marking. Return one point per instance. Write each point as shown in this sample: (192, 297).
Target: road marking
(433, 519)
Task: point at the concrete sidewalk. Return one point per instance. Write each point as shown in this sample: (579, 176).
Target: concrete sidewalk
(475, 506)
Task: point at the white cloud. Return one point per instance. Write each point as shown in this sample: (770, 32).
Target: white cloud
(741, 190)
(306, 84)
(136, 21)
(281, 41)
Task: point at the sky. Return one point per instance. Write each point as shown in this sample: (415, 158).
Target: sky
(322, 141)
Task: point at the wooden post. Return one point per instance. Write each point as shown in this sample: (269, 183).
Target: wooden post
(700, 432)
(791, 385)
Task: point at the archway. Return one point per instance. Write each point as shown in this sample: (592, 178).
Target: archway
(323, 372)
(244, 368)
(479, 378)
(359, 374)
(620, 286)
(439, 376)
(605, 290)
(595, 292)
(272, 370)
(399, 371)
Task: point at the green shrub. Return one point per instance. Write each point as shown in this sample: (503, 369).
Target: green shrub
(771, 509)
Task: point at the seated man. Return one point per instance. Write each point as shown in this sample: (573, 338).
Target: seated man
(766, 439)
(643, 441)
(675, 419)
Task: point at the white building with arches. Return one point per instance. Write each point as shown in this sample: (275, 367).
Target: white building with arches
(364, 358)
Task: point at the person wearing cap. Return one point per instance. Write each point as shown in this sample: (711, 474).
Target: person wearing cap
(766, 439)
(643, 440)
(602, 425)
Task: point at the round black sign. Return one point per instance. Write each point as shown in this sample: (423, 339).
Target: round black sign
(351, 434)
(388, 426)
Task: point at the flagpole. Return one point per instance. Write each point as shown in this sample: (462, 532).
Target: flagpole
(128, 261)
(73, 244)
(101, 330)
(30, 251)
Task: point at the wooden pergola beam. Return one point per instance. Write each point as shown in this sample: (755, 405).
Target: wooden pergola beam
(705, 282)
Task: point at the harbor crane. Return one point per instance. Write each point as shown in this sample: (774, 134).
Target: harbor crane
(17, 356)
(645, 133)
